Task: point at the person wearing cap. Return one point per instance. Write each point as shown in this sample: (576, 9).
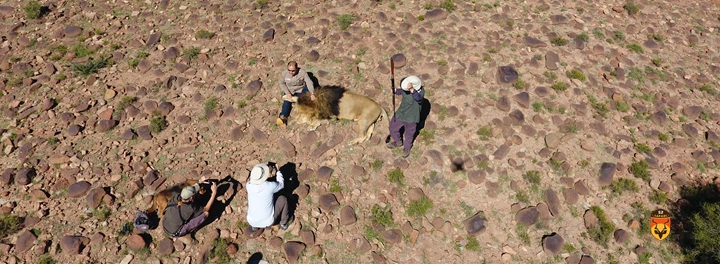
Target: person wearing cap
(183, 215)
(407, 115)
(293, 82)
(264, 207)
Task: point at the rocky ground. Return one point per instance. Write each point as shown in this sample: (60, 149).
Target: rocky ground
(105, 102)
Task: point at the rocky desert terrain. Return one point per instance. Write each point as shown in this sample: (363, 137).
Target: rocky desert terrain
(602, 112)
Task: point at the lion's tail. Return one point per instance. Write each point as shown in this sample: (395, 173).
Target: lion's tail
(383, 114)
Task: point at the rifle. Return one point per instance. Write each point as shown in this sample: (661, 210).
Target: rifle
(392, 81)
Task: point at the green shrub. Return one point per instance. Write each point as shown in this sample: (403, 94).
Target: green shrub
(636, 75)
(33, 9)
(427, 136)
(643, 148)
(219, 252)
(658, 197)
(708, 89)
(634, 47)
(383, 216)
(259, 4)
(102, 213)
(376, 164)
(522, 196)
(345, 20)
(133, 63)
(421, 17)
(45, 259)
(537, 106)
(631, 8)
(241, 104)
(157, 124)
(663, 137)
(532, 177)
(396, 176)
(640, 170)
(58, 52)
(622, 106)
(559, 86)
(191, 53)
(602, 232)
(428, 6)
(705, 234)
(472, 244)
(484, 133)
(621, 185)
(618, 35)
(657, 37)
(575, 74)
(519, 84)
(584, 36)
(90, 67)
(559, 41)
(335, 185)
(9, 224)
(211, 104)
(442, 62)
(598, 33)
(80, 50)
(448, 5)
(419, 208)
(657, 62)
(204, 34)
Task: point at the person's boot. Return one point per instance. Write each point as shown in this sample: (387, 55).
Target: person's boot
(289, 222)
(281, 121)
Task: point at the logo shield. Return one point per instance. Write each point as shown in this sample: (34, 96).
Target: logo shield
(660, 224)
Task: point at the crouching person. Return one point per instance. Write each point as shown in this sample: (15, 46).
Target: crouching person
(265, 207)
(183, 215)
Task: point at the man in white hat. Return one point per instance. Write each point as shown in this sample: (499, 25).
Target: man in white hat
(183, 215)
(264, 207)
(407, 115)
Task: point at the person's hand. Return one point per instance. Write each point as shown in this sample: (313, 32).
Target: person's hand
(312, 97)
(288, 96)
(412, 90)
(213, 187)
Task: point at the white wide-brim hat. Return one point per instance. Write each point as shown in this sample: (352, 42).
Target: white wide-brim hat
(414, 80)
(259, 173)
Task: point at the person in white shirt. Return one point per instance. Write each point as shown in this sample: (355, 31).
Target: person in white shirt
(264, 207)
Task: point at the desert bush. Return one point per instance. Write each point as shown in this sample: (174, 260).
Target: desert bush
(448, 5)
(559, 86)
(157, 124)
(559, 41)
(575, 74)
(90, 67)
(396, 176)
(33, 9)
(634, 47)
(631, 8)
(640, 170)
(345, 20)
(583, 36)
(419, 208)
(219, 252)
(383, 216)
(484, 133)
(622, 185)
(9, 224)
(604, 229)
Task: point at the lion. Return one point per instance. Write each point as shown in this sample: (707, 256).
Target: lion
(337, 102)
(161, 199)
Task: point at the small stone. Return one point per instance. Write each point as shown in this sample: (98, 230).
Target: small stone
(136, 242)
(399, 60)
(552, 244)
(347, 216)
(328, 202)
(78, 189)
(527, 216)
(607, 173)
(620, 236)
(292, 251)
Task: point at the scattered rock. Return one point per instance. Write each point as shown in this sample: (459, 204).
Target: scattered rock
(527, 216)
(71, 245)
(78, 189)
(553, 202)
(25, 241)
(552, 244)
(399, 60)
(507, 74)
(292, 251)
(347, 216)
(328, 202)
(136, 242)
(552, 140)
(590, 219)
(307, 237)
(166, 246)
(475, 225)
(607, 173)
(323, 173)
(620, 236)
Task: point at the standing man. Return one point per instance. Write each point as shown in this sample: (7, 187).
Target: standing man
(293, 82)
(407, 115)
(264, 205)
(183, 215)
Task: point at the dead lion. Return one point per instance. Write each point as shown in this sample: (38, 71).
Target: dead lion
(337, 102)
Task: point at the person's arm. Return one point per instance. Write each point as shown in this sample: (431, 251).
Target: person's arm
(399, 91)
(280, 182)
(283, 86)
(213, 188)
(418, 96)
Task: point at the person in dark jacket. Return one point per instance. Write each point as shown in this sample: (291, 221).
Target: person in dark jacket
(407, 115)
(183, 215)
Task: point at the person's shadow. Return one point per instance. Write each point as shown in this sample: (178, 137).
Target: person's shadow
(256, 258)
(224, 185)
(289, 172)
(315, 81)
